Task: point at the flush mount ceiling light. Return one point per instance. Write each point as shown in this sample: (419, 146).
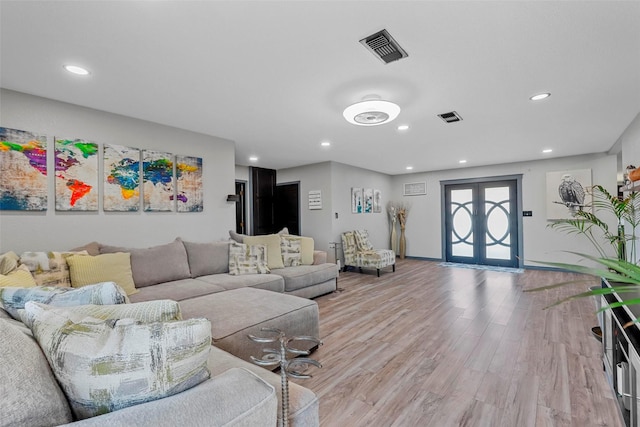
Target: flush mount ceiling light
(371, 111)
(403, 127)
(540, 96)
(547, 150)
(76, 70)
(253, 159)
(325, 144)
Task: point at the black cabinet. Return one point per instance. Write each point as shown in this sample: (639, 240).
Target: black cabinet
(621, 345)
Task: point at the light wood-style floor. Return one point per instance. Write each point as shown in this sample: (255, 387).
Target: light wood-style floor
(440, 346)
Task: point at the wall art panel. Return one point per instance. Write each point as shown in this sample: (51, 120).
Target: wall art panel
(76, 164)
(121, 179)
(568, 192)
(157, 181)
(23, 170)
(189, 184)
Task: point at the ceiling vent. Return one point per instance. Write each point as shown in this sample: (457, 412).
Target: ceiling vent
(450, 117)
(384, 47)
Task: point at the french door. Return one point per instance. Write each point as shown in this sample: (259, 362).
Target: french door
(481, 223)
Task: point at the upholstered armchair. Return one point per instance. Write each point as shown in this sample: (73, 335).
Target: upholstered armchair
(359, 252)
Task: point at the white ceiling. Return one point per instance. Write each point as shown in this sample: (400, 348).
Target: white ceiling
(274, 76)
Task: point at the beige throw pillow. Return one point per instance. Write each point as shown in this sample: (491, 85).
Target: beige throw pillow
(20, 277)
(116, 267)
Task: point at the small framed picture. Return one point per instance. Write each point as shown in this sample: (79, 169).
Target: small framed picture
(415, 188)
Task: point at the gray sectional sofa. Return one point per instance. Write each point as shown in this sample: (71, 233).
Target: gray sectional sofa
(196, 275)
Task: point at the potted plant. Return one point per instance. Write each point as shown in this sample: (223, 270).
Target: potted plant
(620, 270)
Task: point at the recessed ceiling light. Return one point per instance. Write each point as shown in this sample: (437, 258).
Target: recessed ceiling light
(371, 111)
(540, 96)
(76, 70)
(409, 168)
(403, 127)
(548, 150)
(325, 144)
(462, 162)
(253, 159)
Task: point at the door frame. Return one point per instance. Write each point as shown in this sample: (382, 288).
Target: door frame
(443, 207)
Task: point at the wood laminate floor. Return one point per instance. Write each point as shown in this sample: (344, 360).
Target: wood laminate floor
(441, 346)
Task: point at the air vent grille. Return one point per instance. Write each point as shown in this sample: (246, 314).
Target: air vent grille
(451, 117)
(384, 47)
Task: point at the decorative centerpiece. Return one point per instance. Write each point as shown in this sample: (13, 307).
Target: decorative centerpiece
(391, 209)
(401, 210)
(293, 368)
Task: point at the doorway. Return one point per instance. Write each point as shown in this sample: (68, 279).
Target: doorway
(241, 223)
(482, 222)
(287, 207)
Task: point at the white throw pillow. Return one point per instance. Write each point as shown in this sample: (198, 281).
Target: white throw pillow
(106, 365)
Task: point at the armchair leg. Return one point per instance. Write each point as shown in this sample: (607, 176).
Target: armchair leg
(360, 268)
(394, 268)
(378, 270)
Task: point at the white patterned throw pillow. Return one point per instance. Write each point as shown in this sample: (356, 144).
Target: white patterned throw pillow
(14, 299)
(291, 251)
(106, 365)
(247, 259)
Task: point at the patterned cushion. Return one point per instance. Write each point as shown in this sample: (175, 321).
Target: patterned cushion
(362, 240)
(103, 366)
(245, 259)
(291, 251)
(150, 311)
(49, 268)
(8, 262)
(20, 277)
(14, 299)
(272, 242)
(30, 394)
(157, 264)
(378, 258)
(87, 270)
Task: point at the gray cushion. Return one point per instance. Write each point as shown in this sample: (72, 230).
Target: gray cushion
(30, 393)
(207, 258)
(156, 264)
(303, 276)
(303, 403)
(236, 398)
(178, 290)
(227, 282)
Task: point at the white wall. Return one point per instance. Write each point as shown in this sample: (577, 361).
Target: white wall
(540, 243)
(335, 180)
(51, 230)
(631, 156)
(313, 223)
(344, 177)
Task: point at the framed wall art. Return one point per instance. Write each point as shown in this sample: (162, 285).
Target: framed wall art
(76, 177)
(189, 184)
(157, 181)
(23, 170)
(568, 192)
(121, 179)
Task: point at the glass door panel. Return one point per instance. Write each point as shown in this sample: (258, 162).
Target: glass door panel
(462, 222)
(497, 230)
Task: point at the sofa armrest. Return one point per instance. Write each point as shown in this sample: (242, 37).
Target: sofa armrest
(319, 257)
(235, 397)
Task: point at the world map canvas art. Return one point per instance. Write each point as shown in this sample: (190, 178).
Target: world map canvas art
(121, 179)
(158, 182)
(189, 183)
(76, 175)
(23, 170)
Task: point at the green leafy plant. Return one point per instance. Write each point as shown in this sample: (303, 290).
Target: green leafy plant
(621, 271)
(595, 229)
